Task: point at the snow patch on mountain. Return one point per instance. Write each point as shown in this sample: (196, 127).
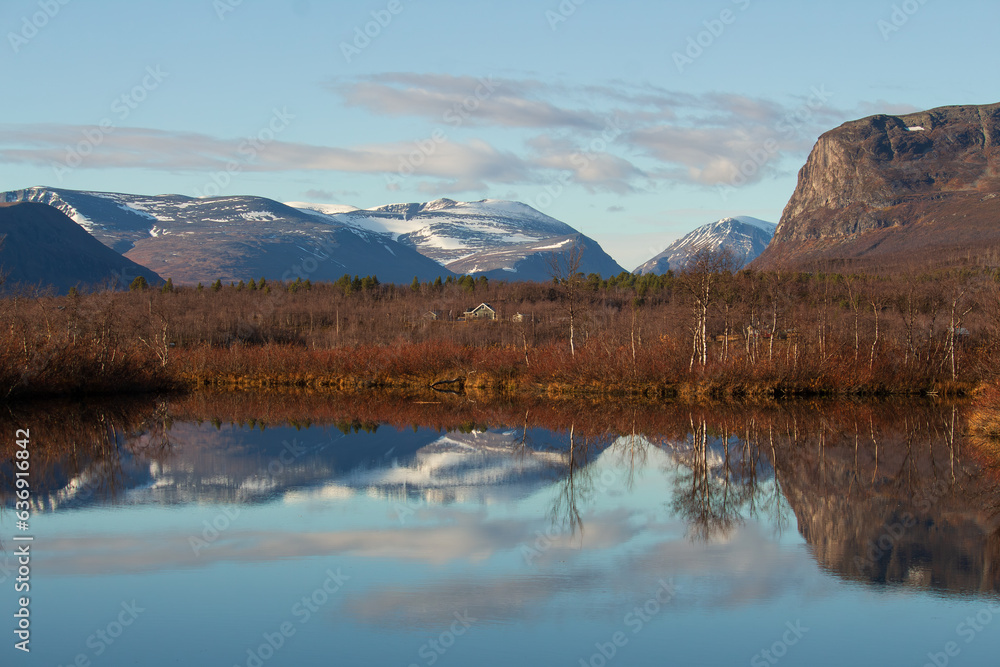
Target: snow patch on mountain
(234, 237)
(754, 222)
(447, 230)
(745, 237)
(321, 209)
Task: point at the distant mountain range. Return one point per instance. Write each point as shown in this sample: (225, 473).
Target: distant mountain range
(878, 194)
(744, 236)
(505, 240)
(42, 247)
(236, 238)
(233, 238)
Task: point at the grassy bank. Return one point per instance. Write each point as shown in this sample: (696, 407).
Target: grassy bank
(658, 370)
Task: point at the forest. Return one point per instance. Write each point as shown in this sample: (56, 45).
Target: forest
(704, 331)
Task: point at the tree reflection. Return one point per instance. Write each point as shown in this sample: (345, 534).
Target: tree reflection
(850, 473)
(576, 487)
(718, 486)
(80, 449)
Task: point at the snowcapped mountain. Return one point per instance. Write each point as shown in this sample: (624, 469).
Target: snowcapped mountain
(500, 239)
(531, 261)
(222, 466)
(446, 230)
(746, 237)
(232, 238)
(242, 237)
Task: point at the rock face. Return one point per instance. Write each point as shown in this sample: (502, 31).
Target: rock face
(43, 247)
(896, 192)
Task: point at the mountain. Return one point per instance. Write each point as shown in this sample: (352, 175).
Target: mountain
(231, 465)
(746, 237)
(532, 261)
(41, 246)
(500, 239)
(241, 237)
(232, 238)
(895, 192)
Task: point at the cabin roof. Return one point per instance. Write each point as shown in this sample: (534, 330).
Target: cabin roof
(482, 305)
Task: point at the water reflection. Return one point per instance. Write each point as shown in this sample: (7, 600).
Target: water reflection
(888, 494)
(543, 520)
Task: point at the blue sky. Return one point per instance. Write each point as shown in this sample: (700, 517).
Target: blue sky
(633, 121)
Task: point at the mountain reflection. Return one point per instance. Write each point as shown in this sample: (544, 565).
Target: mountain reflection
(881, 493)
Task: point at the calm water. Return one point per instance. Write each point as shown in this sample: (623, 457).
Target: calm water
(202, 532)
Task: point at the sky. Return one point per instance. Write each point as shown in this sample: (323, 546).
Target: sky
(634, 121)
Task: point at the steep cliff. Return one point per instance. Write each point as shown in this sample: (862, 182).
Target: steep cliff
(896, 192)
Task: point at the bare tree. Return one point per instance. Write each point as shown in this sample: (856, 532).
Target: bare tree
(699, 278)
(564, 268)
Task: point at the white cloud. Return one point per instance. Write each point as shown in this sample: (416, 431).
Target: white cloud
(617, 137)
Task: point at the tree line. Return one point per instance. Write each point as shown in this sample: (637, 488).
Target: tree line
(705, 329)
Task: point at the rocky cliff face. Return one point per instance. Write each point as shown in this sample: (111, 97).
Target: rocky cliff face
(893, 191)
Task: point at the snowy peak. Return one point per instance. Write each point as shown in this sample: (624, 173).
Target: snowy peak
(494, 237)
(754, 222)
(744, 236)
(233, 238)
(240, 237)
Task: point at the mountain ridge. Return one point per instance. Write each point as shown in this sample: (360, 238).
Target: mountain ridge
(498, 238)
(44, 247)
(231, 238)
(745, 236)
(240, 237)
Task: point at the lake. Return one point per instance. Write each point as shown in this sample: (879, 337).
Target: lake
(300, 529)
